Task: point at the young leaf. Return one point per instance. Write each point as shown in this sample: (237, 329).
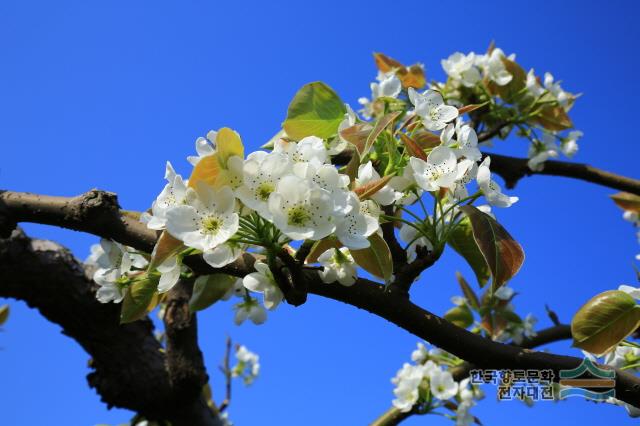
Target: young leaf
(352, 168)
(509, 91)
(604, 321)
(208, 289)
(371, 188)
(316, 110)
(320, 247)
(357, 135)
(213, 169)
(468, 292)
(140, 299)
(462, 241)
(414, 149)
(375, 259)
(554, 118)
(165, 247)
(4, 313)
(412, 76)
(468, 108)
(460, 316)
(503, 254)
(627, 201)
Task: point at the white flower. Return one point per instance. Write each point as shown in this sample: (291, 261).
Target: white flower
(461, 67)
(338, 265)
(555, 89)
(172, 195)
(208, 219)
(622, 356)
(262, 172)
(170, 270)
(353, 228)
(442, 384)
(533, 86)
(420, 355)
(223, 254)
(248, 366)
(114, 261)
(389, 86)
(406, 190)
(236, 290)
(251, 309)
(367, 173)
(301, 210)
(463, 415)
(262, 281)
(431, 108)
(495, 69)
(309, 151)
(504, 293)
(540, 151)
(407, 381)
(569, 145)
(439, 171)
(338, 144)
(491, 190)
(204, 147)
(631, 291)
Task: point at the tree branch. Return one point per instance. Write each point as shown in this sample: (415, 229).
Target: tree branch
(127, 360)
(372, 297)
(393, 416)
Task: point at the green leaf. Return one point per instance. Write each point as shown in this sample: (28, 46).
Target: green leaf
(208, 289)
(375, 259)
(468, 293)
(460, 316)
(604, 321)
(503, 254)
(462, 241)
(316, 110)
(4, 314)
(140, 299)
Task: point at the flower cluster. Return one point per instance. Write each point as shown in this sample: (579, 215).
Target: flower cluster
(248, 365)
(427, 385)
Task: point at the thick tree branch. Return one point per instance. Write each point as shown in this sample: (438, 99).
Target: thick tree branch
(373, 298)
(127, 360)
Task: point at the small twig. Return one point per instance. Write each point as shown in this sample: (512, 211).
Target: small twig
(552, 315)
(226, 369)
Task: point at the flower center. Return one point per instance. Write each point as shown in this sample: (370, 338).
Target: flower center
(211, 225)
(264, 190)
(298, 216)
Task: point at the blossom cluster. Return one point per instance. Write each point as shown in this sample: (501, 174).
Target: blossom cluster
(427, 385)
(248, 365)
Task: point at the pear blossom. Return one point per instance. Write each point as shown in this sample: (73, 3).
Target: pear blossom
(301, 210)
(623, 356)
(461, 67)
(353, 228)
(569, 145)
(420, 355)
(338, 144)
(366, 174)
(207, 220)
(564, 98)
(442, 384)
(533, 85)
(237, 290)
(431, 108)
(541, 150)
(495, 68)
(173, 194)
(406, 190)
(491, 190)
(388, 85)
(248, 366)
(407, 381)
(262, 281)
(308, 151)
(262, 172)
(223, 254)
(204, 147)
(170, 270)
(251, 309)
(338, 265)
(439, 171)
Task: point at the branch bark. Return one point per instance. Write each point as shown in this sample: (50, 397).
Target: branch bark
(127, 360)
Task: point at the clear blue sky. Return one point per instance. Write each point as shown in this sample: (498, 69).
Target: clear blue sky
(101, 94)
